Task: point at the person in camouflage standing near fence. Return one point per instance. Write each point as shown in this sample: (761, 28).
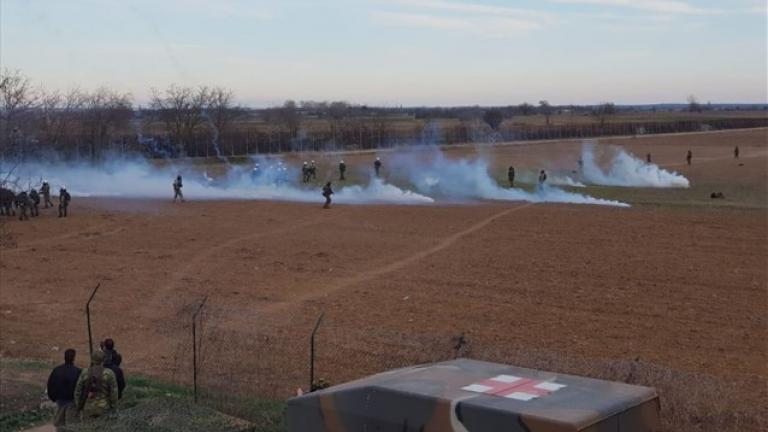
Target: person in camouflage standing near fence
(96, 391)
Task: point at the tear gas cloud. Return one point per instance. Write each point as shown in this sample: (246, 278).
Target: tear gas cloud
(627, 170)
(137, 178)
(465, 179)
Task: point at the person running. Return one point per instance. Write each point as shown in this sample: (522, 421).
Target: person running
(327, 192)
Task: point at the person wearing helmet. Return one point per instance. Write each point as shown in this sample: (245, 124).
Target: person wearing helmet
(377, 166)
(313, 170)
(177, 185)
(96, 391)
(64, 199)
(45, 190)
(342, 169)
(35, 198)
(305, 172)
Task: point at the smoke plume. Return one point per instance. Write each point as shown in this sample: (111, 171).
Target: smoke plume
(627, 170)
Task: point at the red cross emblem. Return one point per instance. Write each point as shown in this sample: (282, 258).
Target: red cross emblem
(513, 387)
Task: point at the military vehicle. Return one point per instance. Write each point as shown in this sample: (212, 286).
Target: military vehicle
(474, 396)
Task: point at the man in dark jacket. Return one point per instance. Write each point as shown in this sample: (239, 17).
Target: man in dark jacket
(327, 192)
(110, 353)
(114, 366)
(61, 389)
(511, 176)
(342, 170)
(377, 166)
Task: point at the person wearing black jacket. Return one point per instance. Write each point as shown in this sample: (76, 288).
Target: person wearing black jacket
(61, 389)
(112, 360)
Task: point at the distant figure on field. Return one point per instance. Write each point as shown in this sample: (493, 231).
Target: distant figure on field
(177, 185)
(648, 158)
(377, 166)
(736, 152)
(24, 204)
(511, 176)
(7, 202)
(313, 170)
(45, 189)
(305, 172)
(35, 198)
(688, 157)
(255, 173)
(542, 179)
(342, 169)
(61, 390)
(96, 391)
(327, 192)
(581, 164)
(64, 199)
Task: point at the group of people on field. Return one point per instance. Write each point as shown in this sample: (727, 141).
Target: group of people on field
(84, 394)
(27, 203)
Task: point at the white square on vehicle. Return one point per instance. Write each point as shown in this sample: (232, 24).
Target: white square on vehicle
(521, 396)
(506, 378)
(549, 386)
(477, 388)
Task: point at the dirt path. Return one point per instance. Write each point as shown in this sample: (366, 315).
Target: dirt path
(391, 267)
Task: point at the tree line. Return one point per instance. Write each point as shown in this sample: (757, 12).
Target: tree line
(207, 121)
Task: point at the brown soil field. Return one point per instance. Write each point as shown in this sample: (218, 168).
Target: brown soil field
(677, 281)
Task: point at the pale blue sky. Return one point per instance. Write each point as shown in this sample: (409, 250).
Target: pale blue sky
(410, 52)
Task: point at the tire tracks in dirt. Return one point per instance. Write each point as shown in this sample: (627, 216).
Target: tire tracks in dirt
(197, 260)
(391, 267)
(93, 229)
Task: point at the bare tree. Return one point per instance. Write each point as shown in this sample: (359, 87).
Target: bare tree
(104, 113)
(58, 115)
(181, 109)
(17, 98)
(526, 109)
(603, 111)
(545, 109)
(694, 105)
(288, 117)
(494, 118)
(221, 110)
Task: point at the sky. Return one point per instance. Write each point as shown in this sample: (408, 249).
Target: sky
(397, 52)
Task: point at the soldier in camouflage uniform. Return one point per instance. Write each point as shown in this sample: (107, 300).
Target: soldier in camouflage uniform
(64, 199)
(96, 391)
(24, 204)
(35, 197)
(45, 189)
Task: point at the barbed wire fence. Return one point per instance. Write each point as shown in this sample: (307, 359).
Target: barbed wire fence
(242, 357)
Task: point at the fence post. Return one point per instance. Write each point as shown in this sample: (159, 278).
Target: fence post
(88, 318)
(194, 347)
(312, 353)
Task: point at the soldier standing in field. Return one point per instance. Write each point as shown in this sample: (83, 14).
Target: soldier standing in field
(64, 199)
(305, 172)
(327, 192)
(61, 390)
(177, 185)
(736, 152)
(96, 391)
(377, 166)
(342, 169)
(511, 176)
(45, 189)
(313, 170)
(648, 158)
(35, 198)
(688, 157)
(24, 204)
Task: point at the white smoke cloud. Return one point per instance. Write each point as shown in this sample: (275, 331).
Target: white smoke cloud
(463, 179)
(627, 170)
(142, 179)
